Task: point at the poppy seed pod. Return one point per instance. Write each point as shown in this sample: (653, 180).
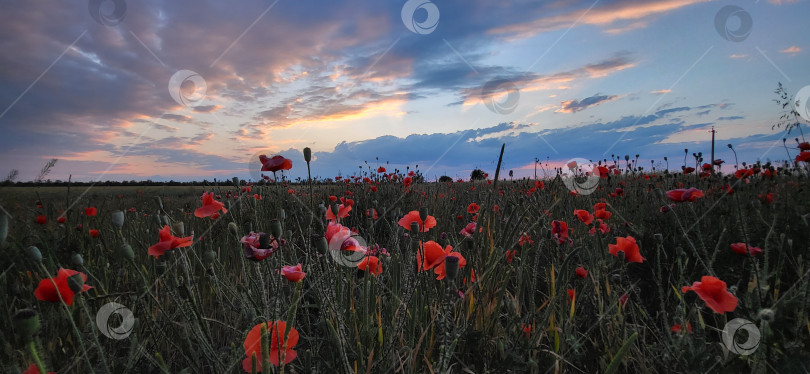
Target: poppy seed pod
(75, 282)
(117, 218)
(26, 323)
(766, 314)
(34, 254)
(77, 259)
(179, 228)
(307, 154)
(320, 244)
(275, 228)
(125, 250)
(414, 226)
(423, 214)
(451, 267)
(165, 220)
(209, 257)
(159, 202)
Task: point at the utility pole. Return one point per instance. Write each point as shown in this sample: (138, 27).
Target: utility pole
(712, 131)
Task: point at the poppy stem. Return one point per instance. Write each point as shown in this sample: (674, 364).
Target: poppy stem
(32, 348)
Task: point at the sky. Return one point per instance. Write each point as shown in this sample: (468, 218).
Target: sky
(192, 90)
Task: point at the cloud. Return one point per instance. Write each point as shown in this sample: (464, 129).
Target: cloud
(573, 106)
(660, 92)
(791, 50)
(735, 56)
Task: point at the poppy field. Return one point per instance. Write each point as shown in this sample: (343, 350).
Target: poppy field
(384, 272)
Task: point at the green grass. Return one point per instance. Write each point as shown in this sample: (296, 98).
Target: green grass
(194, 309)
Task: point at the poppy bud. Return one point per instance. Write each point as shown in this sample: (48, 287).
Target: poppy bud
(118, 218)
(451, 267)
(165, 220)
(659, 238)
(320, 244)
(209, 257)
(75, 282)
(77, 259)
(159, 202)
(766, 314)
(414, 226)
(275, 228)
(26, 323)
(3, 228)
(335, 209)
(34, 254)
(660, 193)
(179, 228)
(307, 154)
(423, 214)
(125, 250)
(233, 229)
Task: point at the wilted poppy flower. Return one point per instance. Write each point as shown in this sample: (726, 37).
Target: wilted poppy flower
(473, 208)
(41, 219)
(275, 332)
(168, 242)
(293, 273)
(583, 216)
(371, 264)
(510, 255)
(680, 195)
(343, 212)
(257, 246)
(91, 211)
(275, 164)
(740, 248)
(50, 289)
(413, 216)
(629, 247)
(210, 206)
(468, 230)
(581, 272)
(714, 293)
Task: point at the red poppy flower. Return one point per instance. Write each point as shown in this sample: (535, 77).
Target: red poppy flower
(623, 299)
(718, 162)
(381, 170)
(94, 233)
(581, 272)
(681, 195)
(743, 173)
(603, 228)
(252, 246)
(677, 328)
(803, 157)
(560, 231)
(473, 208)
(210, 206)
(525, 239)
(600, 206)
(61, 219)
(629, 247)
(434, 258)
(740, 248)
(688, 170)
(469, 229)
(602, 214)
(583, 216)
(371, 264)
(343, 212)
(275, 164)
(34, 369)
(41, 219)
(91, 211)
(333, 198)
(804, 146)
(372, 213)
(766, 198)
(510, 255)
(168, 242)
(413, 216)
(50, 289)
(572, 294)
(714, 293)
(275, 331)
(602, 171)
(293, 273)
